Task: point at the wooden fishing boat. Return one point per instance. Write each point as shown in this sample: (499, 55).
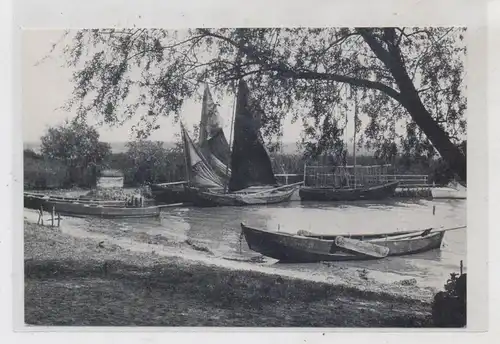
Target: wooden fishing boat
(35, 201)
(358, 190)
(375, 192)
(168, 193)
(81, 209)
(251, 180)
(212, 146)
(250, 196)
(306, 247)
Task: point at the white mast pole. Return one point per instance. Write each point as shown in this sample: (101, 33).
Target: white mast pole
(354, 138)
(230, 140)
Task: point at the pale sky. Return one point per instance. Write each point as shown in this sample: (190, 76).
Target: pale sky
(47, 86)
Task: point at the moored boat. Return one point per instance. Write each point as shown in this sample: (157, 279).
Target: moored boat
(214, 197)
(364, 189)
(35, 201)
(375, 192)
(212, 146)
(81, 209)
(168, 193)
(307, 247)
(453, 190)
(252, 180)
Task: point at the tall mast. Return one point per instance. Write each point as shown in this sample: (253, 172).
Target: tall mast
(354, 139)
(186, 162)
(237, 62)
(230, 142)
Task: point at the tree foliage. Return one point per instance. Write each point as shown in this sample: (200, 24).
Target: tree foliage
(40, 173)
(150, 162)
(407, 82)
(76, 145)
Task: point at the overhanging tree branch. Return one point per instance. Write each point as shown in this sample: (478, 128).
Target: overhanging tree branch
(309, 75)
(286, 72)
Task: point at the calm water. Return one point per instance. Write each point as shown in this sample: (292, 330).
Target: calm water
(219, 230)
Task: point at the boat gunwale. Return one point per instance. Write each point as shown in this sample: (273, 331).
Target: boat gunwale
(106, 207)
(250, 193)
(379, 237)
(364, 188)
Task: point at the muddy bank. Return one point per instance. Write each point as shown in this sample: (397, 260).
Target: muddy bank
(80, 281)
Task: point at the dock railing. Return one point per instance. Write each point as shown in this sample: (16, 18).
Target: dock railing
(367, 175)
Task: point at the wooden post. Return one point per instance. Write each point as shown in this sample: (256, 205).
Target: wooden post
(58, 220)
(41, 213)
(240, 240)
(53, 215)
(461, 267)
(433, 210)
(305, 166)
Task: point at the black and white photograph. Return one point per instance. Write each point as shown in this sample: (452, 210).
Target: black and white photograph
(245, 177)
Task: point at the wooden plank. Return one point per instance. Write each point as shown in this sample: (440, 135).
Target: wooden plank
(363, 247)
(271, 190)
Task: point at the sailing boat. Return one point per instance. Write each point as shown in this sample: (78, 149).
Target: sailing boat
(252, 180)
(213, 149)
(212, 141)
(356, 192)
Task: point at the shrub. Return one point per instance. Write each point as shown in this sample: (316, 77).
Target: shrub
(40, 173)
(449, 308)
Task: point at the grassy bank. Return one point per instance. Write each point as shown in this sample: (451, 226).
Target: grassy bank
(70, 281)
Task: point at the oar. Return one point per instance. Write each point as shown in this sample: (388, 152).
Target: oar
(446, 229)
(424, 233)
(173, 183)
(170, 205)
(271, 190)
(363, 247)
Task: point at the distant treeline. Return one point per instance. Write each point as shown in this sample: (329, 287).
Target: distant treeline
(143, 163)
(72, 154)
(149, 162)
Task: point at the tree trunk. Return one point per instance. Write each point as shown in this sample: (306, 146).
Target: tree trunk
(450, 152)
(410, 99)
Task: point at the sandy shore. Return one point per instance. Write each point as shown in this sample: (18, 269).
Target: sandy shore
(81, 281)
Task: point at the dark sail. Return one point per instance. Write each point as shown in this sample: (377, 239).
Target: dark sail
(250, 163)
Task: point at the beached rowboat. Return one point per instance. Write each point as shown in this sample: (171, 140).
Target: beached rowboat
(308, 247)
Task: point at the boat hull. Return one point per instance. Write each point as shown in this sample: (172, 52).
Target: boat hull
(34, 201)
(79, 209)
(306, 249)
(451, 191)
(331, 194)
(209, 198)
(169, 194)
